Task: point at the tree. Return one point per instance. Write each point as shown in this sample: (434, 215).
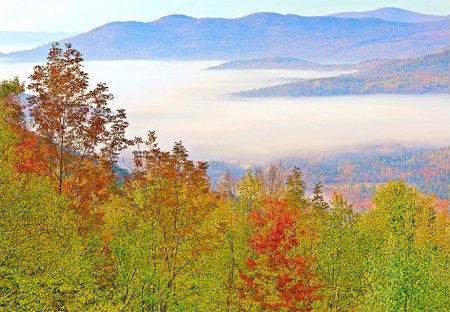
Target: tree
(75, 126)
(295, 189)
(318, 203)
(227, 184)
(274, 179)
(162, 234)
(26, 144)
(230, 250)
(9, 92)
(43, 263)
(339, 259)
(277, 277)
(250, 190)
(407, 260)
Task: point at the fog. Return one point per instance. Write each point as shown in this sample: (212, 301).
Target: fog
(183, 102)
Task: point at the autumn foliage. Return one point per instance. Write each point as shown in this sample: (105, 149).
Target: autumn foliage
(76, 237)
(277, 276)
(76, 129)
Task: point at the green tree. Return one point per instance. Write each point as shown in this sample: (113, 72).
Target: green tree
(250, 190)
(43, 263)
(161, 237)
(229, 253)
(318, 203)
(408, 260)
(296, 189)
(339, 259)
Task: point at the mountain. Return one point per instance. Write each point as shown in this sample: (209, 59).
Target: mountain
(421, 75)
(260, 35)
(276, 63)
(393, 15)
(294, 64)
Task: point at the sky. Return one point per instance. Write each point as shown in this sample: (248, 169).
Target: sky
(84, 15)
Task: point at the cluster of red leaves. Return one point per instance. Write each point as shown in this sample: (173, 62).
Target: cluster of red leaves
(277, 275)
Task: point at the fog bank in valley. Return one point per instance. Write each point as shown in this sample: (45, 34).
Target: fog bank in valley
(183, 102)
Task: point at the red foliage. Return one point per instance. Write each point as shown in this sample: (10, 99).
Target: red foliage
(277, 276)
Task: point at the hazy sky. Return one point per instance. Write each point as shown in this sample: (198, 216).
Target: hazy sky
(84, 15)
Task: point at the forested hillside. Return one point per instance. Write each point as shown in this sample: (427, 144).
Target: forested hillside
(421, 75)
(75, 237)
(357, 175)
(357, 179)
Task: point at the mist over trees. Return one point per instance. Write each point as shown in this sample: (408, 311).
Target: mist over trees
(76, 237)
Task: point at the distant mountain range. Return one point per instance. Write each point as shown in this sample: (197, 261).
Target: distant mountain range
(278, 63)
(289, 63)
(261, 35)
(394, 15)
(421, 75)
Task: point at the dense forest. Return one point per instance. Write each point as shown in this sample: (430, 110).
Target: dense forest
(359, 173)
(77, 237)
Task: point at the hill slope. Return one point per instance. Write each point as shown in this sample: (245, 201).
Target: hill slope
(426, 74)
(356, 174)
(261, 35)
(277, 63)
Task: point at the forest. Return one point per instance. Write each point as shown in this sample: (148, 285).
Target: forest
(77, 236)
(426, 74)
(357, 174)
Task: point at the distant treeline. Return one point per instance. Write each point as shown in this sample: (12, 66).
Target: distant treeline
(357, 175)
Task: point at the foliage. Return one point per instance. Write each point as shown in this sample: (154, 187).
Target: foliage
(407, 260)
(164, 230)
(277, 277)
(166, 241)
(43, 264)
(77, 131)
(339, 258)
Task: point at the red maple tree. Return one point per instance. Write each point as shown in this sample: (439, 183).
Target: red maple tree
(277, 275)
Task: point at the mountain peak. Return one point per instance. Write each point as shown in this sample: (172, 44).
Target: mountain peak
(263, 16)
(175, 18)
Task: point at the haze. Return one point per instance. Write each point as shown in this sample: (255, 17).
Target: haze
(183, 102)
(84, 15)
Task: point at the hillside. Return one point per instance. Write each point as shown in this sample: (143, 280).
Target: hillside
(278, 63)
(393, 15)
(422, 75)
(261, 35)
(287, 63)
(357, 174)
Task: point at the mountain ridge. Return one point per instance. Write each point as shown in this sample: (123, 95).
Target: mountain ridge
(258, 35)
(428, 74)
